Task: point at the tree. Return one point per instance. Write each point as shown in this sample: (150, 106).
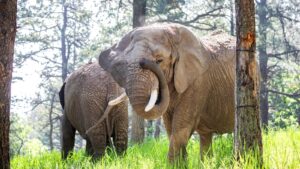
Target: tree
(58, 33)
(157, 128)
(176, 12)
(137, 123)
(263, 61)
(8, 12)
(273, 21)
(247, 135)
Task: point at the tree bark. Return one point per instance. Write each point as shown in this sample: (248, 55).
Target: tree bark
(157, 128)
(247, 135)
(263, 60)
(139, 12)
(8, 11)
(231, 17)
(138, 124)
(63, 42)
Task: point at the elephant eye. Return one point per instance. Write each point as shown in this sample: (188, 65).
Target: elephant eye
(159, 61)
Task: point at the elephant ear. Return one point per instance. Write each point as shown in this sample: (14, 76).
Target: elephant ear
(113, 61)
(191, 60)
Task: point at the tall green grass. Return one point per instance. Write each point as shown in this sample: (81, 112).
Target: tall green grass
(281, 150)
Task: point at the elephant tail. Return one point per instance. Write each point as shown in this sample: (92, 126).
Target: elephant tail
(110, 105)
(62, 96)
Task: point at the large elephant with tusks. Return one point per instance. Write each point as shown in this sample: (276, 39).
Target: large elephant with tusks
(167, 71)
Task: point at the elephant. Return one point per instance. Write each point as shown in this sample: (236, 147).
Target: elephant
(89, 97)
(167, 71)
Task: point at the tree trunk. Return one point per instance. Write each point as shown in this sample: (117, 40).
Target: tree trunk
(157, 128)
(8, 11)
(247, 135)
(231, 17)
(63, 42)
(263, 60)
(50, 121)
(138, 124)
(139, 12)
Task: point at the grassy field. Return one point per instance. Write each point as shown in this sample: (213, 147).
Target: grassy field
(281, 150)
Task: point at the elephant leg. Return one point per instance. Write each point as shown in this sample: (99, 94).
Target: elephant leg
(182, 128)
(68, 137)
(167, 117)
(181, 132)
(89, 148)
(109, 145)
(205, 144)
(178, 143)
(120, 136)
(98, 139)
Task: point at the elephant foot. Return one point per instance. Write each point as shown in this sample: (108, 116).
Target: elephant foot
(97, 156)
(181, 163)
(121, 149)
(178, 160)
(205, 145)
(65, 155)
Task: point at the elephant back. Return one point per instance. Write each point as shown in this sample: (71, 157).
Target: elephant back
(220, 45)
(87, 92)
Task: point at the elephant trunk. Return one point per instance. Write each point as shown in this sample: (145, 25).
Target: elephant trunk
(149, 99)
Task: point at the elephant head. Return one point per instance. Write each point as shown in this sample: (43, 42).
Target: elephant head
(149, 60)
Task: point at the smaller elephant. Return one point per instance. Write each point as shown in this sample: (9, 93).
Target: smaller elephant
(96, 106)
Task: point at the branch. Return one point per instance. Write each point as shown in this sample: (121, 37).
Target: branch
(212, 27)
(53, 120)
(51, 60)
(295, 95)
(35, 105)
(21, 145)
(279, 14)
(209, 13)
(272, 66)
(276, 55)
(21, 58)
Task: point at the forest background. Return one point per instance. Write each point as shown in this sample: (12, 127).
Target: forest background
(55, 37)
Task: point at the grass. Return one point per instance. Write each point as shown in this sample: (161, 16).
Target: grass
(281, 151)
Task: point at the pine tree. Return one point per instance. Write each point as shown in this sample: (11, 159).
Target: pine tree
(8, 12)
(247, 135)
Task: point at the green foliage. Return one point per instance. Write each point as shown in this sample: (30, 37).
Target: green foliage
(17, 134)
(283, 107)
(281, 150)
(282, 32)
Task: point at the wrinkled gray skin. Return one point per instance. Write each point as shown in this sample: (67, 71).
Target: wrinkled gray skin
(85, 97)
(194, 78)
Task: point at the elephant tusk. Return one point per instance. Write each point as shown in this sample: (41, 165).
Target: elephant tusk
(152, 100)
(118, 100)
